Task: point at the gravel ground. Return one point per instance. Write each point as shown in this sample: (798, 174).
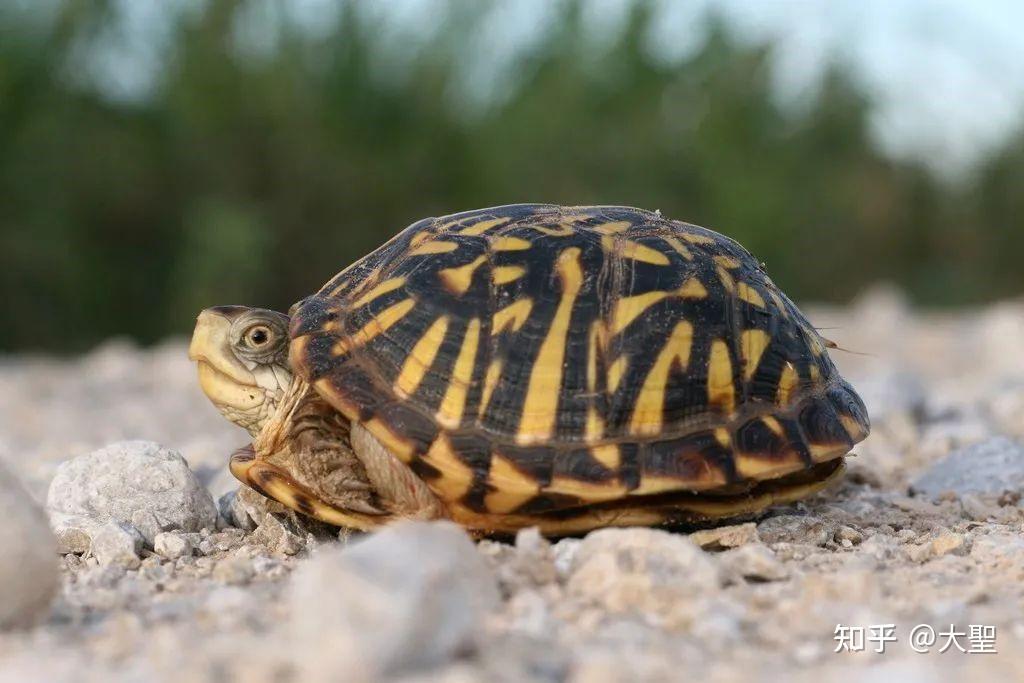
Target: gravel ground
(925, 530)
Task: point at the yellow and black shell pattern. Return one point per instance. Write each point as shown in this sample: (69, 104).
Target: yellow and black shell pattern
(531, 358)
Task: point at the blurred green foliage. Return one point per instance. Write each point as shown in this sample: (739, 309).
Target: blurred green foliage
(252, 178)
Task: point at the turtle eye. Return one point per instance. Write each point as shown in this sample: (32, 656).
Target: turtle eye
(258, 336)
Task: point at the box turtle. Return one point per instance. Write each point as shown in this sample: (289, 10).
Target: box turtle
(564, 367)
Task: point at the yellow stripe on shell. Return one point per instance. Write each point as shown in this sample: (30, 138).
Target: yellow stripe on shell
(420, 358)
(821, 452)
(458, 278)
(648, 411)
(608, 455)
(510, 244)
(595, 425)
(597, 344)
(787, 384)
(750, 466)
(336, 290)
(612, 228)
(651, 484)
(721, 391)
(420, 238)
(490, 381)
(694, 238)
(560, 231)
(752, 346)
(629, 308)
(727, 261)
(754, 466)
(679, 247)
(513, 315)
(481, 227)
(633, 250)
(510, 488)
(854, 428)
(456, 477)
(773, 425)
(750, 295)
(454, 401)
(502, 275)
(727, 279)
(587, 490)
(540, 406)
(379, 324)
(779, 304)
(438, 247)
(615, 372)
(379, 290)
(693, 288)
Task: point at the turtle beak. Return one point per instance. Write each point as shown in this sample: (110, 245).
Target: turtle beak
(211, 344)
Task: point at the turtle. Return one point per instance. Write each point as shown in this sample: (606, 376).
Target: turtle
(567, 368)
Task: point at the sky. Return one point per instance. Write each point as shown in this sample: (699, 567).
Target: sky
(947, 76)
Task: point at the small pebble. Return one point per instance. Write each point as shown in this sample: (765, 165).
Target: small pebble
(726, 536)
(848, 536)
(117, 544)
(976, 509)
(276, 537)
(754, 562)
(172, 545)
(234, 571)
(949, 543)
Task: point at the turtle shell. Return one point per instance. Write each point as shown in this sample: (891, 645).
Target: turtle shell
(529, 358)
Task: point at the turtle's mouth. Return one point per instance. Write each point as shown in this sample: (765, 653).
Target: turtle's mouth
(225, 390)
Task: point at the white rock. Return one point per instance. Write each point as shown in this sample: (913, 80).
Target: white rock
(172, 546)
(726, 536)
(147, 524)
(640, 570)
(275, 536)
(74, 532)
(129, 482)
(118, 544)
(753, 562)
(236, 570)
(410, 597)
(233, 511)
(990, 467)
(28, 561)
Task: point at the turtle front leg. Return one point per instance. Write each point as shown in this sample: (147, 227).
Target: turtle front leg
(276, 483)
(312, 460)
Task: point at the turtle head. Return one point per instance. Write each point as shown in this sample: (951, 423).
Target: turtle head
(242, 354)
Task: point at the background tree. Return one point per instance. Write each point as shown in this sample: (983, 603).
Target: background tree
(251, 172)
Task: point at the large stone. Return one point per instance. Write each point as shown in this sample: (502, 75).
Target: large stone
(131, 482)
(410, 597)
(28, 556)
(987, 468)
